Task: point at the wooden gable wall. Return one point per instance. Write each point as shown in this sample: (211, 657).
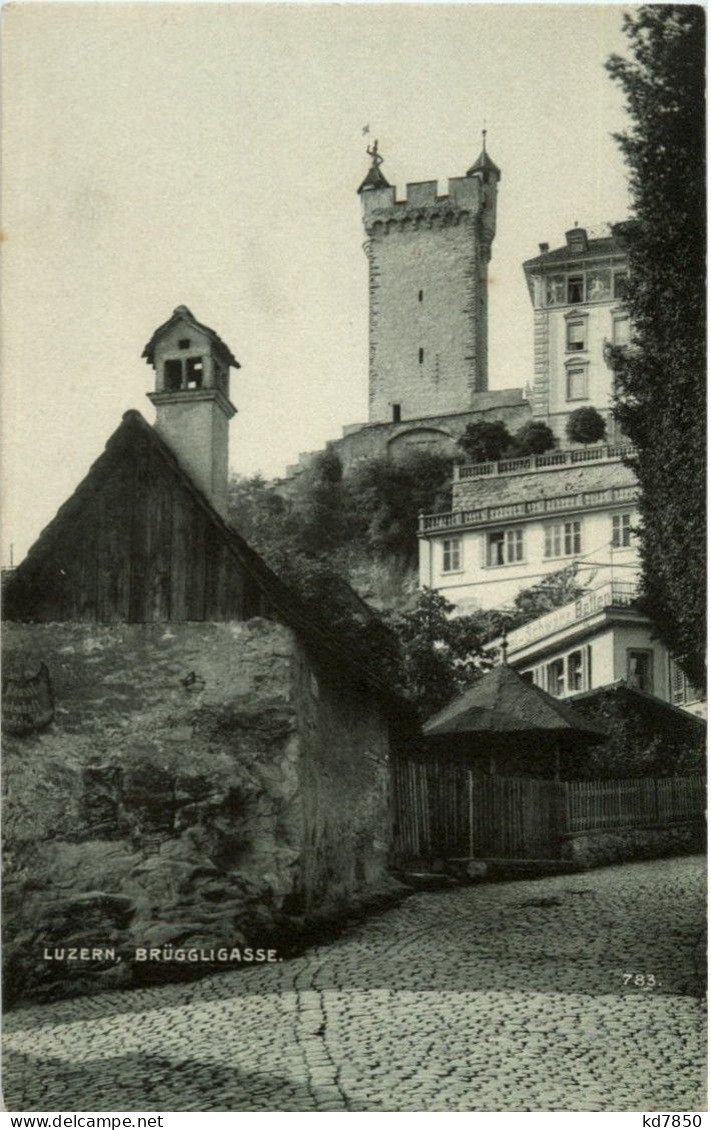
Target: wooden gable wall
(136, 546)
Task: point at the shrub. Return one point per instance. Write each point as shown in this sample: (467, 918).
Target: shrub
(484, 441)
(585, 425)
(533, 438)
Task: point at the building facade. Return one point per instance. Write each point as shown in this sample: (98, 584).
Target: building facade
(577, 292)
(596, 641)
(515, 521)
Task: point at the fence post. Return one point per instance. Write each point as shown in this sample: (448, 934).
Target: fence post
(470, 809)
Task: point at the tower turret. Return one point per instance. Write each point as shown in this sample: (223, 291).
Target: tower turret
(191, 397)
(428, 258)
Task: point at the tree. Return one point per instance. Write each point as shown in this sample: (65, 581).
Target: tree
(440, 655)
(485, 440)
(585, 425)
(533, 438)
(551, 592)
(387, 497)
(320, 505)
(661, 398)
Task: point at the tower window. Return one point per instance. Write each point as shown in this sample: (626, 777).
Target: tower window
(193, 372)
(173, 375)
(421, 355)
(184, 343)
(419, 296)
(396, 414)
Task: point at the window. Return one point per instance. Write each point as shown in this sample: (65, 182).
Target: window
(563, 539)
(396, 414)
(504, 547)
(420, 296)
(620, 284)
(681, 690)
(576, 379)
(526, 676)
(555, 678)
(451, 555)
(173, 375)
(621, 330)
(575, 336)
(193, 372)
(184, 343)
(575, 288)
(621, 531)
(639, 670)
(421, 355)
(576, 679)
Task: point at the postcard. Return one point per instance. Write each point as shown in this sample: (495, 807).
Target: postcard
(353, 559)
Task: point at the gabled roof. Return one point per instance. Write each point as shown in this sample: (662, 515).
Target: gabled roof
(501, 702)
(287, 606)
(665, 713)
(182, 314)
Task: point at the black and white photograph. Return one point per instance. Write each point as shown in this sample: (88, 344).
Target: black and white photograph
(353, 559)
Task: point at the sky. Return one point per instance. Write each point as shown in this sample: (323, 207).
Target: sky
(209, 155)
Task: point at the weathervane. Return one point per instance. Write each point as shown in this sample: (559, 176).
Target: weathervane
(373, 152)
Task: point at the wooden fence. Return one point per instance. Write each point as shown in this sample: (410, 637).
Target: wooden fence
(443, 810)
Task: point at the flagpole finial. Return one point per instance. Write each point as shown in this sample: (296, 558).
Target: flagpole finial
(483, 139)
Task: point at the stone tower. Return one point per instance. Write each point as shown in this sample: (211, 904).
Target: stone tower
(428, 257)
(193, 408)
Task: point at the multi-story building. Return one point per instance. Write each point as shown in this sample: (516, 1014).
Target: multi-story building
(597, 641)
(514, 521)
(577, 292)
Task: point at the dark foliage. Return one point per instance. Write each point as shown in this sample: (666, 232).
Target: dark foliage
(440, 656)
(640, 745)
(387, 497)
(585, 425)
(552, 592)
(533, 438)
(661, 380)
(485, 441)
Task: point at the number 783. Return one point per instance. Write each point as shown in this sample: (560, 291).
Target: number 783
(641, 980)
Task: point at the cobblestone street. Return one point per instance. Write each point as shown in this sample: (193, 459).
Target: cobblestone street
(496, 997)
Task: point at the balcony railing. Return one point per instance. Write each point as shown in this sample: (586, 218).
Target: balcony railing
(614, 594)
(511, 511)
(549, 461)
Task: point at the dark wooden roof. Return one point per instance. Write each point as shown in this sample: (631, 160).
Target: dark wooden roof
(665, 714)
(182, 314)
(57, 561)
(501, 702)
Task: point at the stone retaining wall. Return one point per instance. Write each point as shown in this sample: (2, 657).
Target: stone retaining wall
(594, 849)
(201, 785)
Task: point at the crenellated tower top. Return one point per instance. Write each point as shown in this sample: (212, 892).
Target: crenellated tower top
(428, 255)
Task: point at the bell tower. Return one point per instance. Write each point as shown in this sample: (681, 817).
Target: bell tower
(428, 289)
(193, 409)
